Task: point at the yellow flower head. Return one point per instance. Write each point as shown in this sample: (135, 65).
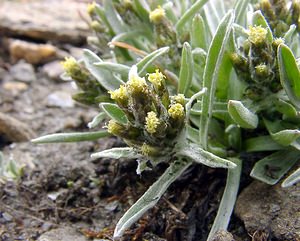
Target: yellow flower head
(157, 15)
(152, 122)
(137, 84)
(148, 150)
(91, 8)
(95, 25)
(257, 35)
(114, 127)
(178, 99)
(262, 70)
(176, 111)
(70, 65)
(278, 41)
(156, 78)
(119, 94)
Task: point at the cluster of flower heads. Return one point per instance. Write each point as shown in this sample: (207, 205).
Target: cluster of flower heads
(281, 15)
(256, 62)
(155, 119)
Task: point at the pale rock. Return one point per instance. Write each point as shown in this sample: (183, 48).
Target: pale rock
(23, 72)
(62, 234)
(272, 210)
(14, 130)
(14, 87)
(60, 99)
(55, 20)
(53, 70)
(31, 52)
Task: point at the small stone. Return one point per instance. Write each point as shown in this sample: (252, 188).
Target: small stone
(53, 70)
(222, 235)
(55, 20)
(23, 72)
(60, 99)
(62, 234)
(270, 209)
(31, 52)
(15, 87)
(7, 217)
(14, 130)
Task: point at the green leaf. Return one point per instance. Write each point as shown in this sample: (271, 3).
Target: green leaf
(117, 153)
(189, 14)
(289, 74)
(151, 196)
(261, 143)
(280, 134)
(211, 72)
(97, 120)
(198, 34)
(70, 137)
(258, 19)
(242, 115)
(115, 21)
(186, 70)
(142, 9)
(114, 112)
(292, 179)
(271, 168)
(114, 67)
(240, 10)
(104, 77)
(197, 154)
(288, 36)
(228, 199)
(149, 59)
(192, 134)
(286, 108)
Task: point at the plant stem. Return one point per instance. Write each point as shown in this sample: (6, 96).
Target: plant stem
(228, 199)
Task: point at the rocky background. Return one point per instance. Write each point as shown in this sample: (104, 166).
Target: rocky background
(57, 193)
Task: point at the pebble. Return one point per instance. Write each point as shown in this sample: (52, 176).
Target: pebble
(53, 70)
(23, 72)
(31, 52)
(15, 88)
(15, 130)
(60, 99)
(62, 234)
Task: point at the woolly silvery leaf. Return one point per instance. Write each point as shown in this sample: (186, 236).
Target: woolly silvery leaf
(289, 74)
(214, 59)
(114, 112)
(149, 59)
(151, 196)
(241, 115)
(197, 154)
(113, 67)
(117, 153)
(186, 70)
(292, 179)
(71, 137)
(103, 76)
(271, 168)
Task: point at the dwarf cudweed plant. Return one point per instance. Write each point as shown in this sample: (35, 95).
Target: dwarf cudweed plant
(187, 82)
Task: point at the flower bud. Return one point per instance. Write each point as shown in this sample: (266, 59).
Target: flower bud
(176, 111)
(262, 70)
(148, 150)
(178, 99)
(157, 79)
(91, 8)
(157, 15)
(152, 122)
(120, 96)
(257, 35)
